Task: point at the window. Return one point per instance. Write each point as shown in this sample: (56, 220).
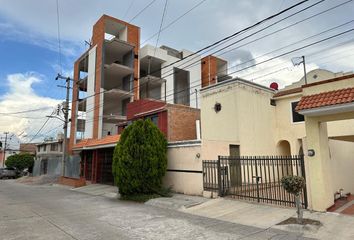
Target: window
(44, 148)
(296, 117)
(54, 147)
(234, 150)
(154, 119)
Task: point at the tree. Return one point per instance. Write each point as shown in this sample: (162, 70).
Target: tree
(294, 185)
(140, 159)
(20, 161)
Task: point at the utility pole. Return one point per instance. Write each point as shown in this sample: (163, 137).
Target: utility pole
(3, 157)
(65, 110)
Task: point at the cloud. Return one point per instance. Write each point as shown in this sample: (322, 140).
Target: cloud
(21, 97)
(17, 33)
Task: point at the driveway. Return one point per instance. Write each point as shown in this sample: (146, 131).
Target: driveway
(52, 212)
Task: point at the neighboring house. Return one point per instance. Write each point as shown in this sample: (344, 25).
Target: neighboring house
(253, 120)
(8, 153)
(49, 157)
(177, 122)
(29, 148)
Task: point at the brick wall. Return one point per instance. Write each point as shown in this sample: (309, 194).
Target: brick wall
(73, 182)
(181, 122)
(209, 66)
(141, 106)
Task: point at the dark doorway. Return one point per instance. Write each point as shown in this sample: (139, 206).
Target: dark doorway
(88, 166)
(181, 86)
(235, 166)
(44, 166)
(106, 158)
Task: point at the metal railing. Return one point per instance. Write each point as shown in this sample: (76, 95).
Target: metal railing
(254, 178)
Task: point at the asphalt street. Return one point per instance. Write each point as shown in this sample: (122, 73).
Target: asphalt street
(54, 212)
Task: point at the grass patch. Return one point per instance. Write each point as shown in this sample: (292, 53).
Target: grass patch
(139, 197)
(305, 221)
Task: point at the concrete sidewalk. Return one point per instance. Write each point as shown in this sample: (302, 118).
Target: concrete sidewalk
(335, 226)
(98, 190)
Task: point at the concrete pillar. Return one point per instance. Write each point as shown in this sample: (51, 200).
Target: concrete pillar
(320, 190)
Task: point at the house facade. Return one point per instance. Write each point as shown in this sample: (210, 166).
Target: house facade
(254, 120)
(49, 155)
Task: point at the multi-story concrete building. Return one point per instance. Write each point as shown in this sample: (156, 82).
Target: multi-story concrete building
(110, 79)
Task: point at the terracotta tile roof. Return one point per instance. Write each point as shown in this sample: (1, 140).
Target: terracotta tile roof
(112, 139)
(287, 92)
(335, 97)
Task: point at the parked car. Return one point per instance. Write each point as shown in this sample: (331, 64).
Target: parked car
(8, 173)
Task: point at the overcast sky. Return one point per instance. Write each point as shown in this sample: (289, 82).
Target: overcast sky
(29, 58)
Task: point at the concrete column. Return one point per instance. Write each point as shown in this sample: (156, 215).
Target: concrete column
(320, 190)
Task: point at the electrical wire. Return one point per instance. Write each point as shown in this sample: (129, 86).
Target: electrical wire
(26, 111)
(129, 7)
(250, 35)
(173, 21)
(296, 42)
(39, 131)
(230, 37)
(59, 41)
(142, 10)
(262, 62)
(161, 23)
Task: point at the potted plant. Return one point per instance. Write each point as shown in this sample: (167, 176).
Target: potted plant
(294, 185)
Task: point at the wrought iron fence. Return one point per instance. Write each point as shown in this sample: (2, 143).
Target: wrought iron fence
(255, 178)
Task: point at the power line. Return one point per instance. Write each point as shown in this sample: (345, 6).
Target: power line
(294, 50)
(161, 23)
(174, 21)
(59, 42)
(242, 31)
(142, 10)
(293, 43)
(229, 37)
(126, 12)
(191, 93)
(26, 111)
(307, 55)
(38, 131)
(262, 56)
(252, 34)
(262, 62)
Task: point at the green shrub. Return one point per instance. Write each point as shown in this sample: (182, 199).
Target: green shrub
(293, 184)
(20, 161)
(140, 159)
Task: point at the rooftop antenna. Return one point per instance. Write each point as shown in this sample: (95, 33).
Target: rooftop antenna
(297, 61)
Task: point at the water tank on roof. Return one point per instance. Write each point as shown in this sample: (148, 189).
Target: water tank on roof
(274, 86)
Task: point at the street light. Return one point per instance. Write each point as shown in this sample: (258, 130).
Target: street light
(297, 61)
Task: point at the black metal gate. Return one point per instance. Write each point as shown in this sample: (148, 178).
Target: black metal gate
(255, 178)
